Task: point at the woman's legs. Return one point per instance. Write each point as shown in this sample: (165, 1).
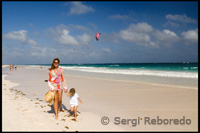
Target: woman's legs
(56, 104)
(59, 99)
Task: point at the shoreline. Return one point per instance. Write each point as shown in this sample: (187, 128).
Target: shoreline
(111, 98)
(148, 79)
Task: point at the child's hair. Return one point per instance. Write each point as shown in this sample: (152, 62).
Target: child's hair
(72, 91)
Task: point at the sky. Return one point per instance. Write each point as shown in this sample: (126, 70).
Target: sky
(131, 32)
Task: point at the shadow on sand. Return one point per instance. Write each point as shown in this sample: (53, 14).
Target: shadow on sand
(62, 109)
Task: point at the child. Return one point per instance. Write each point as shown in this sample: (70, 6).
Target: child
(74, 97)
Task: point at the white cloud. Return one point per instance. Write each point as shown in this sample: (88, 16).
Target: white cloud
(166, 36)
(20, 35)
(84, 39)
(65, 38)
(16, 35)
(171, 33)
(173, 24)
(180, 18)
(106, 50)
(38, 52)
(78, 8)
(143, 34)
(190, 36)
(93, 26)
(141, 28)
(134, 36)
(61, 34)
(137, 33)
(32, 42)
(78, 27)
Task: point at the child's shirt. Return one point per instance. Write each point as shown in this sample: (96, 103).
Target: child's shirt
(74, 99)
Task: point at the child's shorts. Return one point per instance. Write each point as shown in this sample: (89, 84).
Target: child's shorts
(72, 105)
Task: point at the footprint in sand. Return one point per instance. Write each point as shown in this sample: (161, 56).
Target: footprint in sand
(73, 119)
(23, 94)
(37, 103)
(40, 100)
(63, 120)
(24, 110)
(15, 97)
(49, 105)
(67, 127)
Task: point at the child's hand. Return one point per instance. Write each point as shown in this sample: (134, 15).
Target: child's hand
(65, 90)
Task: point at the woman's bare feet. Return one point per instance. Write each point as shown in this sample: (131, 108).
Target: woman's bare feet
(56, 117)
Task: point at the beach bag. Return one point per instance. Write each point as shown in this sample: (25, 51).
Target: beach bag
(49, 97)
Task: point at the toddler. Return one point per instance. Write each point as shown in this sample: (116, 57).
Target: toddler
(74, 97)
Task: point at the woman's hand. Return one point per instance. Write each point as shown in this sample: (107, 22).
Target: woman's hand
(51, 88)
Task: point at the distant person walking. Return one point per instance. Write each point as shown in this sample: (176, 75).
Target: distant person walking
(10, 67)
(56, 84)
(41, 67)
(15, 67)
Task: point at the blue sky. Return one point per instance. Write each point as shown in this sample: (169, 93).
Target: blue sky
(131, 32)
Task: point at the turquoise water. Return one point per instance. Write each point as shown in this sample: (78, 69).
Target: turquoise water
(184, 67)
(187, 67)
(178, 74)
(181, 70)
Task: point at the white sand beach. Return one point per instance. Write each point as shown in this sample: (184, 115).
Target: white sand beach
(24, 107)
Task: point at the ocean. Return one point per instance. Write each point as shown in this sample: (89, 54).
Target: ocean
(173, 74)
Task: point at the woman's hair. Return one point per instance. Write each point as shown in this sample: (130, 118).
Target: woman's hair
(52, 65)
(72, 91)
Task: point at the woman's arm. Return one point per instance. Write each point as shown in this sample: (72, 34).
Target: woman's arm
(51, 88)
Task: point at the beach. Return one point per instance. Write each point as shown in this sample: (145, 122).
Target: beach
(122, 102)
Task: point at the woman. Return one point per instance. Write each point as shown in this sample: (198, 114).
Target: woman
(56, 83)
